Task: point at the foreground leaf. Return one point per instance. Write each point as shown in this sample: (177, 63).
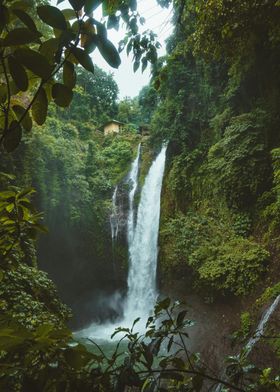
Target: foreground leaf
(27, 121)
(52, 16)
(40, 107)
(34, 61)
(12, 137)
(62, 95)
(21, 36)
(18, 73)
(83, 58)
(69, 75)
(109, 53)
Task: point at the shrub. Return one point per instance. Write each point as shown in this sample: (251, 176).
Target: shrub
(221, 260)
(30, 298)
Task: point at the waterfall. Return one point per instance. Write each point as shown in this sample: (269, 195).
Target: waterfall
(132, 181)
(143, 249)
(262, 324)
(114, 222)
(259, 330)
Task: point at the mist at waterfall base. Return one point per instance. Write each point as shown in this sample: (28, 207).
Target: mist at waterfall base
(142, 238)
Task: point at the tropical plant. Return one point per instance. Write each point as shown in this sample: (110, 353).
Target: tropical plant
(31, 57)
(20, 224)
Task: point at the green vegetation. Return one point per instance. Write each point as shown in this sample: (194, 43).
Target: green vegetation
(221, 261)
(218, 109)
(215, 98)
(40, 53)
(29, 297)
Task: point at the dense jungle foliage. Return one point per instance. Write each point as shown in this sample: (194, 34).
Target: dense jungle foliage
(219, 97)
(215, 98)
(74, 169)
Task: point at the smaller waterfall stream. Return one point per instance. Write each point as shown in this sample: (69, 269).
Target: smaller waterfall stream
(259, 330)
(114, 217)
(262, 324)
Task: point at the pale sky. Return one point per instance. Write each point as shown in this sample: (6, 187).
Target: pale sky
(158, 20)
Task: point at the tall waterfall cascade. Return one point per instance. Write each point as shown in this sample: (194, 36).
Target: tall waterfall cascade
(143, 248)
(142, 239)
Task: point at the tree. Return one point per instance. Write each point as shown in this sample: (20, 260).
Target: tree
(31, 57)
(95, 98)
(148, 100)
(129, 111)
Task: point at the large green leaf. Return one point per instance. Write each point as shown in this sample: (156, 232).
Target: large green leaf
(69, 14)
(3, 92)
(49, 48)
(109, 52)
(83, 58)
(18, 73)
(34, 61)
(21, 36)
(62, 95)
(88, 36)
(4, 17)
(90, 43)
(40, 107)
(91, 5)
(52, 16)
(26, 19)
(77, 4)
(12, 137)
(27, 121)
(69, 75)
(101, 30)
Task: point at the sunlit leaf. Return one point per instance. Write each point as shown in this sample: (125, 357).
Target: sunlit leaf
(40, 107)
